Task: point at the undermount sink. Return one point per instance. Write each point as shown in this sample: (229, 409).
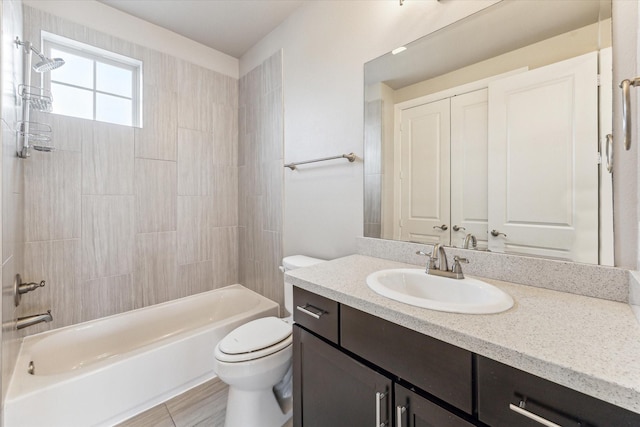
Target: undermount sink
(413, 286)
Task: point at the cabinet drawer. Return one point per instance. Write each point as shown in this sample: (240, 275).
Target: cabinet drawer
(440, 369)
(318, 314)
(501, 389)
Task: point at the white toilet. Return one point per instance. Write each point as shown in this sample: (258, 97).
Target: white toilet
(256, 356)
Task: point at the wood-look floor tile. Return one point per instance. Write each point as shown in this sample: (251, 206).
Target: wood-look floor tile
(204, 405)
(158, 416)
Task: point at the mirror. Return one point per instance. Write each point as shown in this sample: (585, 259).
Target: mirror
(486, 134)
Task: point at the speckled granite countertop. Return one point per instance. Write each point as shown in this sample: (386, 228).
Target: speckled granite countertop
(587, 344)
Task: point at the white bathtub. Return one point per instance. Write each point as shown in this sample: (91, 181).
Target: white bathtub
(102, 372)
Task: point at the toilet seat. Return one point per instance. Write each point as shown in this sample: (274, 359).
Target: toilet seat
(253, 340)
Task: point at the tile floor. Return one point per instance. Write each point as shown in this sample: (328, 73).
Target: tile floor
(202, 406)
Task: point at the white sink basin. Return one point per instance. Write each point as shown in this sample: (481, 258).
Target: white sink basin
(413, 286)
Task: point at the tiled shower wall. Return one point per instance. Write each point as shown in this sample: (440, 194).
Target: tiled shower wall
(13, 189)
(120, 218)
(260, 161)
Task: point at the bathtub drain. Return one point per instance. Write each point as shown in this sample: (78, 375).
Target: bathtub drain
(32, 368)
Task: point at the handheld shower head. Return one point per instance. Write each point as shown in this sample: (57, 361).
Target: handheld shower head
(48, 64)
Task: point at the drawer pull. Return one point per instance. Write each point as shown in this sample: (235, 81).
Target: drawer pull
(379, 397)
(520, 410)
(400, 410)
(310, 310)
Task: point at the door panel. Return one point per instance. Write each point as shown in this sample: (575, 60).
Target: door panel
(425, 185)
(543, 124)
(469, 138)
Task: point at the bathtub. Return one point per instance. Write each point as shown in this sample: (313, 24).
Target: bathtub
(102, 372)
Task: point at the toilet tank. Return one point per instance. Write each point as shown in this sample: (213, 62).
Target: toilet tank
(291, 263)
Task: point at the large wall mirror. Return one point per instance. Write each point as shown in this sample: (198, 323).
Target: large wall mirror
(487, 134)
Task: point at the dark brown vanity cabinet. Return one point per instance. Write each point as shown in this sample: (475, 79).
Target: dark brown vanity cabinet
(332, 389)
(356, 380)
(353, 369)
(413, 410)
(511, 397)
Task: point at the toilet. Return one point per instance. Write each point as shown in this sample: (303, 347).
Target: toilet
(255, 358)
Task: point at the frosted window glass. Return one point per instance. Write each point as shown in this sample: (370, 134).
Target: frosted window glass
(77, 71)
(113, 109)
(114, 80)
(71, 101)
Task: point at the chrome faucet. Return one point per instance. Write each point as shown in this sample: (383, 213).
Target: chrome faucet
(439, 255)
(472, 238)
(441, 268)
(23, 322)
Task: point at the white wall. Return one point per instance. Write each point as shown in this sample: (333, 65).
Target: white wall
(325, 45)
(111, 21)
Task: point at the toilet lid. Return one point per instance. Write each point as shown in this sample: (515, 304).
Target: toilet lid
(255, 335)
(283, 345)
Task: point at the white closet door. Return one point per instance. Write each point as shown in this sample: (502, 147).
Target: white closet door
(425, 186)
(469, 135)
(543, 172)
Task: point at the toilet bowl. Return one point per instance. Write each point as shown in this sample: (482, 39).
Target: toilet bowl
(256, 357)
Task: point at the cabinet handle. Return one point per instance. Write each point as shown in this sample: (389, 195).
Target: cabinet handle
(379, 397)
(458, 228)
(306, 310)
(442, 227)
(520, 410)
(400, 410)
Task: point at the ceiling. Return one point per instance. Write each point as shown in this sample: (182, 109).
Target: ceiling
(229, 26)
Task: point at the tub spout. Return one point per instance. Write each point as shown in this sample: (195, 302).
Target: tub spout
(23, 322)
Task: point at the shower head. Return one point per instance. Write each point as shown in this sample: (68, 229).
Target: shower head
(48, 64)
(45, 64)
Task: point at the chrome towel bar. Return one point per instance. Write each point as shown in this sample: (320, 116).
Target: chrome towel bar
(351, 157)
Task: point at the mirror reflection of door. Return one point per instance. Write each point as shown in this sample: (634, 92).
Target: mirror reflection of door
(486, 145)
(424, 176)
(544, 124)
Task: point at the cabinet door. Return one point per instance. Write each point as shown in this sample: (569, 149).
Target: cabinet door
(412, 410)
(332, 389)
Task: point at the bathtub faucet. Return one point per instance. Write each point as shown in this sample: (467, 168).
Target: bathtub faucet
(23, 322)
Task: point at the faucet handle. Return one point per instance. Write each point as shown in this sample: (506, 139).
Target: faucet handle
(422, 253)
(457, 268)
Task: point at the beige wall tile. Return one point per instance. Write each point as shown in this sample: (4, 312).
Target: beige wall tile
(156, 196)
(58, 263)
(107, 236)
(10, 337)
(69, 133)
(106, 296)
(157, 138)
(52, 204)
(155, 269)
(194, 229)
(195, 278)
(195, 106)
(107, 161)
(225, 261)
(195, 162)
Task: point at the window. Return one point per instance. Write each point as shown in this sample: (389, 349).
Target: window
(94, 83)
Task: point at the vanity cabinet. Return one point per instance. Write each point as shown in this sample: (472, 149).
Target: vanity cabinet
(511, 397)
(377, 373)
(354, 369)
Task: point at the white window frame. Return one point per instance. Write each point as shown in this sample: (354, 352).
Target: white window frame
(97, 55)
